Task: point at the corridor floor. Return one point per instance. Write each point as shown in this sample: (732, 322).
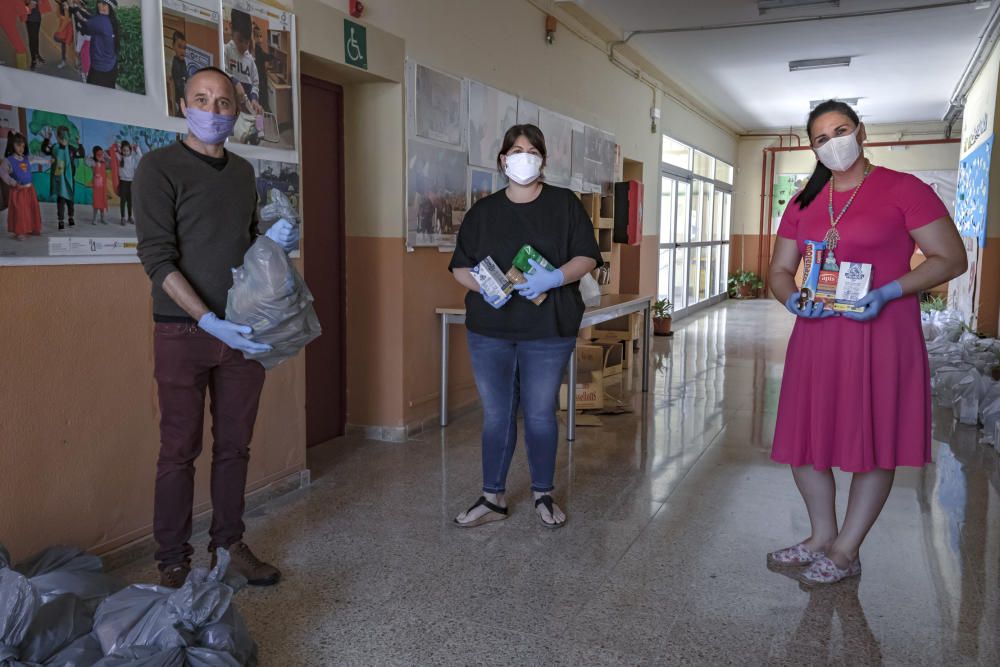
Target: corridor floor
(671, 510)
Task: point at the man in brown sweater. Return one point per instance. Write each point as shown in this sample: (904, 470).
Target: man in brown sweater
(196, 216)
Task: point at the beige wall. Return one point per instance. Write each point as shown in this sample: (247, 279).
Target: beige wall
(79, 432)
(470, 39)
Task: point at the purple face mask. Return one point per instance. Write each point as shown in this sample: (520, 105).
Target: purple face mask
(210, 128)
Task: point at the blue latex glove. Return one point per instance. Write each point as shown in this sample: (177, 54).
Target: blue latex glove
(233, 335)
(496, 302)
(285, 234)
(813, 310)
(875, 301)
(539, 281)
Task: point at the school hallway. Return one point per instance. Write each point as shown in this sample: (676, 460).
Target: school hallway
(671, 512)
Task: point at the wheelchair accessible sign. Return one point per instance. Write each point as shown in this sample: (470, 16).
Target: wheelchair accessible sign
(355, 45)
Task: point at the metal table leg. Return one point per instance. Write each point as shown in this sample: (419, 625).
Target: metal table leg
(444, 370)
(646, 331)
(571, 397)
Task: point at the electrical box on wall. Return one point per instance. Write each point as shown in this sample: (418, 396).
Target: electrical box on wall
(628, 212)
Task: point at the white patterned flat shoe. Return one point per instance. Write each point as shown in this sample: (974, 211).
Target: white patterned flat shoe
(797, 555)
(824, 571)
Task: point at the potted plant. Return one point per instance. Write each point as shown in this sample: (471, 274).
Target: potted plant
(745, 285)
(663, 311)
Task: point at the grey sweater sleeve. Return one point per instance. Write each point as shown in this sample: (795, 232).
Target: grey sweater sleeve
(155, 223)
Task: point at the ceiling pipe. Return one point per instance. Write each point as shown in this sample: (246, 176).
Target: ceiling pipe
(987, 38)
(791, 135)
(791, 19)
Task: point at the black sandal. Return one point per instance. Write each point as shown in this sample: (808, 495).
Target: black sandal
(547, 501)
(496, 513)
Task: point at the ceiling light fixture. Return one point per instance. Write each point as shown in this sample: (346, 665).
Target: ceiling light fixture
(850, 101)
(818, 63)
(765, 6)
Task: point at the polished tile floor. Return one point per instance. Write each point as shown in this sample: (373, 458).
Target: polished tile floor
(672, 510)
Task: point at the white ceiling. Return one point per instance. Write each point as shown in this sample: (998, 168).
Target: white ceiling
(905, 65)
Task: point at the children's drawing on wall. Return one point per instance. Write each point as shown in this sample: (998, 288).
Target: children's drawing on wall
(436, 194)
(94, 41)
(786, 186)
(190, 42)
(80, 171)
(973, 192)
(258, 55)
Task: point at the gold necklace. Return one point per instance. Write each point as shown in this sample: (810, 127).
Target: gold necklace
(833, 236)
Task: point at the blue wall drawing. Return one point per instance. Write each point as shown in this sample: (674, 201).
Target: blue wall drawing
(973, 192)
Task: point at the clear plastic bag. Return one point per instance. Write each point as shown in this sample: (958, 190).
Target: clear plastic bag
(590, 291)
(269, 295)
(966, 394)
(197, 624)
(945, 379)
(989, 415)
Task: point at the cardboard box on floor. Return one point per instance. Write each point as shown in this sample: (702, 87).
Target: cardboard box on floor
(589, 379)
(612, 337)
(629, 325)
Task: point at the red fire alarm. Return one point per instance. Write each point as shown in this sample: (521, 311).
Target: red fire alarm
(357, 9)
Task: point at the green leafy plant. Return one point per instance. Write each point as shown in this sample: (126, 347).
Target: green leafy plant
(933, 303)
(744, 279)
(663, 309)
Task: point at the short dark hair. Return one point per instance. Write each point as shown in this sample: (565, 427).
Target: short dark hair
(529, 132)
(126, 144)
(240, 22)
(187, 84)
(179, 35)
(96, 148)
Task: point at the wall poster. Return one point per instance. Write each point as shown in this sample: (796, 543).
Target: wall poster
(436, 193)
(558, 132)
(88, 41)
(491, 113)
(259, 54)
(973, 192)
(190, 42)
(438, 106)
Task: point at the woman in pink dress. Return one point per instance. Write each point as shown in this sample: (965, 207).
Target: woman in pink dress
(855, 394)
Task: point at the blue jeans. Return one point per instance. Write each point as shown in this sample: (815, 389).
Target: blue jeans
(511, 373)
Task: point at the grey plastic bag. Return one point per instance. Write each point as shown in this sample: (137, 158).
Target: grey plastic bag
(84, 652)
(269, 295)
(18, 604)
(195, 625)
(68, 570)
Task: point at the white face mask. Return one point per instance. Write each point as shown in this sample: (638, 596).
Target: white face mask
(839, 153)
(523, 168)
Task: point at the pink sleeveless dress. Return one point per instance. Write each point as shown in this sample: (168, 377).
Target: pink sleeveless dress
(856, 395)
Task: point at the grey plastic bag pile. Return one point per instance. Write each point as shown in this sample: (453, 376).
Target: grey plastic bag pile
(962, 369)
(269, 295)
(193, 626)
(47, 608)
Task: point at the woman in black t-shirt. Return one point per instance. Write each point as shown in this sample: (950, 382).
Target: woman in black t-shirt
(520, 350)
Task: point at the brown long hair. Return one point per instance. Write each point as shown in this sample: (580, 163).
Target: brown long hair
(529, 132)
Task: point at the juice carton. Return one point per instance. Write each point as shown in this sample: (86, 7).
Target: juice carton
(491, 279)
